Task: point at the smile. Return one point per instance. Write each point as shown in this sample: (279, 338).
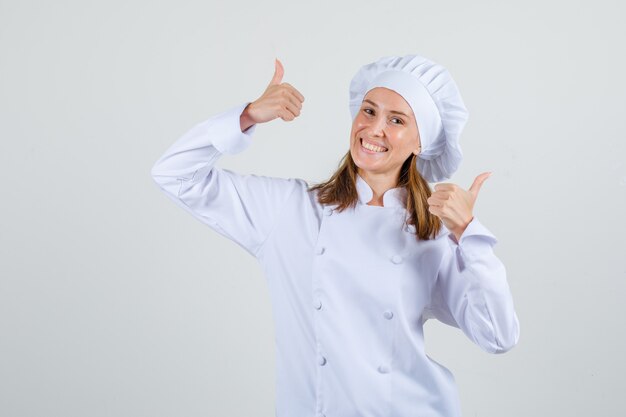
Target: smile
(371, 147)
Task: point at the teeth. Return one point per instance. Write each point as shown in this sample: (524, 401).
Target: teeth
(371, 147)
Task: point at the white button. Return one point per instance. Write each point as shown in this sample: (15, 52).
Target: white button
(320, 250)
(321, 361)
(320, 415)
(388, 314)
(396, 259)
(383, 369)
(328, 211)
(318, 304)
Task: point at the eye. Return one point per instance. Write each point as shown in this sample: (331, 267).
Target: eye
(367, 110)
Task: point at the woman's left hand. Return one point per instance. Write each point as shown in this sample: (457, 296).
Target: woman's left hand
(453, 205)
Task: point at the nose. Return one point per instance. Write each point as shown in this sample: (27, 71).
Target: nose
(377, 126)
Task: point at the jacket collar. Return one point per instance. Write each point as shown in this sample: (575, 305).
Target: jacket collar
(394, 197)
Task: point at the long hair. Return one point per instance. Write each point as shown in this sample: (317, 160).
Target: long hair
(341, 190)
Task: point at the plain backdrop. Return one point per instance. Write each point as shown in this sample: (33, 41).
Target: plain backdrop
(115, 302)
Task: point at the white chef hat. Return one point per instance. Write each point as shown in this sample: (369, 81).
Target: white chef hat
(436, 103)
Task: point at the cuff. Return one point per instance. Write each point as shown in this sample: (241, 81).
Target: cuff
(228, 137)
(475, 239)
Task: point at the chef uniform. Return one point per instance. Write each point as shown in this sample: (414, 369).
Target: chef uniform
(349, 291)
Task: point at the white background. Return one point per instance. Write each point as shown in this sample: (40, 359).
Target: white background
(114, 302)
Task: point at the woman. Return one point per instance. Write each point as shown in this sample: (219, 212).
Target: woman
(357, 264)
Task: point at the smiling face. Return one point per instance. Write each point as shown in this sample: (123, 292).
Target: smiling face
(384, 133)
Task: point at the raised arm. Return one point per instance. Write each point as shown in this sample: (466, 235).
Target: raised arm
(244, 208)
(472, 292)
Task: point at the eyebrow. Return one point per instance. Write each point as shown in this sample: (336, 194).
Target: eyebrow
(390, 111)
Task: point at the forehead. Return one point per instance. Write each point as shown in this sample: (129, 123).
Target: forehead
(388, 100)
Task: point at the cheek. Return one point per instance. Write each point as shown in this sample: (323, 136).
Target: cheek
(353, 135)
(403, 147)
(358, 123)
(410, 141)
(353, 130)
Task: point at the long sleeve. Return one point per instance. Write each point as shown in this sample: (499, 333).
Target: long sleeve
(243, 208)
(472, 292)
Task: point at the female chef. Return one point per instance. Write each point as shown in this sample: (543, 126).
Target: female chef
(357, 264)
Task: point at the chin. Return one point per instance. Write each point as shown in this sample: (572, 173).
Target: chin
(366, 168)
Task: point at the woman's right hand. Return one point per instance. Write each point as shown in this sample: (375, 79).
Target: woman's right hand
(278, 100)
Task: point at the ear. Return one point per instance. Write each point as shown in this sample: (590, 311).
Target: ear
(417, 151)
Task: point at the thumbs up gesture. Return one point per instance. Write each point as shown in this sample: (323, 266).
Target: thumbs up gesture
(279, 100)
(453, 205)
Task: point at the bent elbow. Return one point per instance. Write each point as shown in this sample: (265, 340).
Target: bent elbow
(505, 341)
(156, 179)
(505, 346)
(164, 182)
(160, 177)
(154, 171)
(495, 337)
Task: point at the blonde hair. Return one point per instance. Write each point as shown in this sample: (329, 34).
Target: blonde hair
(341, 190)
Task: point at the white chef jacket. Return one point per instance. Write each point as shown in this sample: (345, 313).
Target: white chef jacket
(349, 291)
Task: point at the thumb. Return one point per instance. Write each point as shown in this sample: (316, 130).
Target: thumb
(478, 182)
(278, 72)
